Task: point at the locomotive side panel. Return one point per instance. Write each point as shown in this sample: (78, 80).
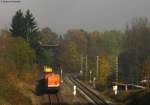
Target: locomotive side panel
(53, 83)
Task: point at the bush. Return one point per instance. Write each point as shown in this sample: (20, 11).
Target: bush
(16, 60)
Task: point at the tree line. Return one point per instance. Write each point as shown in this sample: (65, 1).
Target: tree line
(131, 47)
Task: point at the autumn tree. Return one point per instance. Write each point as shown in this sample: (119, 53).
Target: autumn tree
(79, 38)
(78, 43)
(47, 39)
(135, 48)
(48, 36)
(105, 70)
(73, 57)
(17, 52)
(104, 44)
(73, 46)
(93, 42)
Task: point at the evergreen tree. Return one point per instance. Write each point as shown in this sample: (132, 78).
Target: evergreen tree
(18, 24)
(30, 26)
(24, 25)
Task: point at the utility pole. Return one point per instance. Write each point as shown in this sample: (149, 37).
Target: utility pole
(117, 69)
(97, 67)
(86, 67)
(81, 71)
(115, 87)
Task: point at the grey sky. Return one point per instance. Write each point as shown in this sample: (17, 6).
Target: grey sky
(61, 15)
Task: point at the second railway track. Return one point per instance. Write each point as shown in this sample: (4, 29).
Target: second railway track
(95, 98)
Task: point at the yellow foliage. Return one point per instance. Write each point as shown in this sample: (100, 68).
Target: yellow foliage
(105, 70)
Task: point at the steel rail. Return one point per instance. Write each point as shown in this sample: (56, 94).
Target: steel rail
(51, 99)
(97, 100)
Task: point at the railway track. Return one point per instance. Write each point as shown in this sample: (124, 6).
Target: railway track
(96, 99)
(54, 99)
(51, 99)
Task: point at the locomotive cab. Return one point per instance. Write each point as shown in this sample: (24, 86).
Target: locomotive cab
(52, 80)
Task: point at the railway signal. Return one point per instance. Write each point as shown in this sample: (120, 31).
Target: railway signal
(94, 84)
(90, 81)
(115, 89)
(61, 73)
(74, 90)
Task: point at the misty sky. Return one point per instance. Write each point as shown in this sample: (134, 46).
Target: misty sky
(61, 15)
